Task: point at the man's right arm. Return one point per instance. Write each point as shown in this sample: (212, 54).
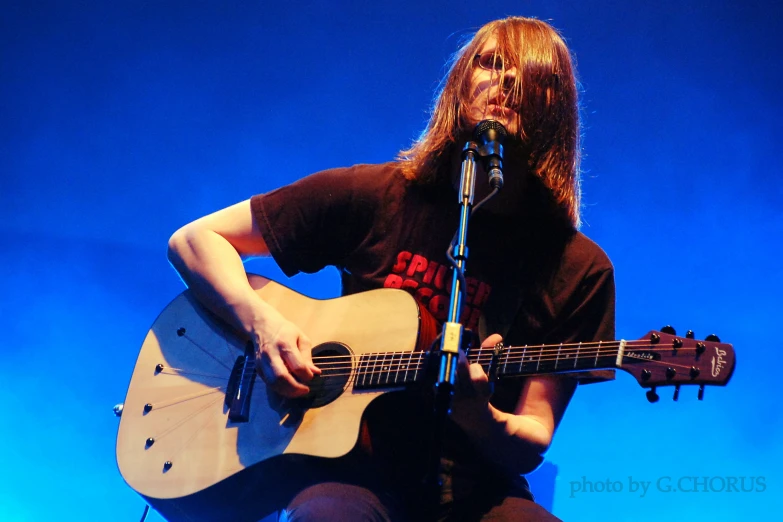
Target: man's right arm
(207, 254)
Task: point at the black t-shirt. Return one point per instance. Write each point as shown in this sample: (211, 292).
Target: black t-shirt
(379, 230)
(534, 280)
(382, 230)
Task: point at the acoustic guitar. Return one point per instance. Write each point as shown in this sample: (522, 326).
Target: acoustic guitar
(200, 439)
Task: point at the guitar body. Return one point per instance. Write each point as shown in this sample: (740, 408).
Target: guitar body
(178, 448)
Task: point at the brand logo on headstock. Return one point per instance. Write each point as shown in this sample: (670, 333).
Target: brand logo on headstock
(718, 362)
(645, 356)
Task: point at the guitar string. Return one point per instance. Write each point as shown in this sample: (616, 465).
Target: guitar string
(415, 362)
(542, 349)
(418, 366)
(327, 361)
(366, 360)
(549, 348)
(583, 351)
(517, 356)
(180, 400)
(535, 354)
(207, 352)
(188, 372)
(210, 419)
(354, 377)
(187, 418)
(399, 367)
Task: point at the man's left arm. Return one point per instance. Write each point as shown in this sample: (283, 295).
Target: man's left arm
(516, 441)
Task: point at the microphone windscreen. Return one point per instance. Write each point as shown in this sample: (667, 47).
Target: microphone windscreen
(489, 130)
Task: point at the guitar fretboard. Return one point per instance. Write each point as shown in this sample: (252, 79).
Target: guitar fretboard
(379, 370)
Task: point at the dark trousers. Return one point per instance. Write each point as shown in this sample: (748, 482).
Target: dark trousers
(345, 502)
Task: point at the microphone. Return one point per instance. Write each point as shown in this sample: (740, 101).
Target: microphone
(489, 135)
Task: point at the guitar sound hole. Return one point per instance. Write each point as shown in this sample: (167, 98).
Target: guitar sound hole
(334, 360)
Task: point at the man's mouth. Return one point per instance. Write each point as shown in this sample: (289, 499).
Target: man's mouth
(498, 109)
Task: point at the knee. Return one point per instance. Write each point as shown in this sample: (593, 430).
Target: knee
(336, 501)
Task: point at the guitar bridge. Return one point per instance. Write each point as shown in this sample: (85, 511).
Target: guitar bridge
(240, 386)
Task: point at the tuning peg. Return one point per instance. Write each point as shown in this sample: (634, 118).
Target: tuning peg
(713, 338)
(701, 392)
(669, 329)
(689, 334)
(676, 393)
(652, 396)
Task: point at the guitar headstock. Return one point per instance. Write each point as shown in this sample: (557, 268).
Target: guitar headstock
(662, 358)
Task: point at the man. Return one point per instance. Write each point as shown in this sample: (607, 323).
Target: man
(531, 276)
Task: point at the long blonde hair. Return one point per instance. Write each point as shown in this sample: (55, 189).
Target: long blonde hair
(543, 93)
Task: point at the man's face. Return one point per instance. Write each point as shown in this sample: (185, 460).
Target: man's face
(487, 98)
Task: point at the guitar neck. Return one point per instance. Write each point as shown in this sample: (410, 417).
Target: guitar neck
(520, 361)
(400, 368)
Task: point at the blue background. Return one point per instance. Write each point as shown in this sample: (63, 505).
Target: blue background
(123, 120)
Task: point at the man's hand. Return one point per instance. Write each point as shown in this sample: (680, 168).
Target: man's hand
(473, 389)
(283, 355)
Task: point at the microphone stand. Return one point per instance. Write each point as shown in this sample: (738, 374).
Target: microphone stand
(451, 338)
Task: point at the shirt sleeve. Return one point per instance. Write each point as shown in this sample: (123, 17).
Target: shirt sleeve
(591, 314)
(578, 306)
(316, 221)
(589, 317)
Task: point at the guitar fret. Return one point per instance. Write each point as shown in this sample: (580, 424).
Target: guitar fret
(597, 353)
(388, 369)
(578, 347)
(557, 358)
(362, 371)
(367, 371)
(540, 354)
(374, 372)
(384, 369)
(505, 363)
(522, 362)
